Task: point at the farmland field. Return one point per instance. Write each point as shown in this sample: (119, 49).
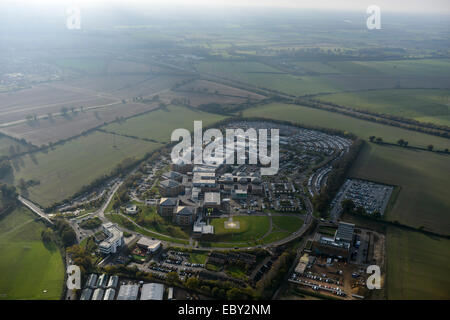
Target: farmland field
(424, 198)
(251, 228)
(158, 125)
(417, 265)
(47, 131)
(361, 128)
(422, 105)
(336, 76)
(5, 146)
(65, 169)
(28, 266)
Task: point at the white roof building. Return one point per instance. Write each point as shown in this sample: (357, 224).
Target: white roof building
(151, 245)
(128, 292)
(114, 238)
(152, 291)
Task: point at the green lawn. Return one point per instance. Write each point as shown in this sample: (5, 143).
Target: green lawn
(251, 229)
(236, 272)
(424, 197)
(159, 124)
(64, 170)
(123, 222)
(195, 257)
(361, 128)
(419, 104)
(27, 266)
(275, 236)
(417, 266)
(150, 219)
(287, 223)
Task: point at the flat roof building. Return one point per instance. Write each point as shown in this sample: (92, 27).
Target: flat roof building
(114, 238)
(152, 291)
(128, 292)
(212, 200)
(344, 232)
(151, 246)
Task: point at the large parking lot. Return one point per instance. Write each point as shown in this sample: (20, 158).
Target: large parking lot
(371, 196)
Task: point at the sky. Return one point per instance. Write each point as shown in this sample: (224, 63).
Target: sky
(400, 6)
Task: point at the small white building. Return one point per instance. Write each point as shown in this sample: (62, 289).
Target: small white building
(131, 209)
(151, 246)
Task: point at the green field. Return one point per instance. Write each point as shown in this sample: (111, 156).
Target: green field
(5, 146)
(28, 267)
(261, 75)
(338, 76)
(195, 257)
(426, 105)
(123, 222)
(92, 65)
(424, 197)
(151, 220)
(251, 228)
(287, 223)
(64, 170)
(361, 128)
(417, 266)
(159, 124)
(395, 68)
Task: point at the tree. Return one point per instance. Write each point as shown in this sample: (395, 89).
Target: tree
(68, 237)
(372, 138)
(401, 142)
(235, 294)
(172, 277)
(379, 140)
(348, 205)
(192, 283)
(430, 147)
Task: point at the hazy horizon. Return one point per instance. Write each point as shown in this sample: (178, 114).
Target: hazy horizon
(387, 6)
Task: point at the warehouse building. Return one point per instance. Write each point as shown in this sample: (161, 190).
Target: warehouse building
(128, 292)
(344, 233)
(109, 294)
(152, 291)
(92, 281)
(102, 281)
(98, 294)
(113, 282)
(86, 294)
